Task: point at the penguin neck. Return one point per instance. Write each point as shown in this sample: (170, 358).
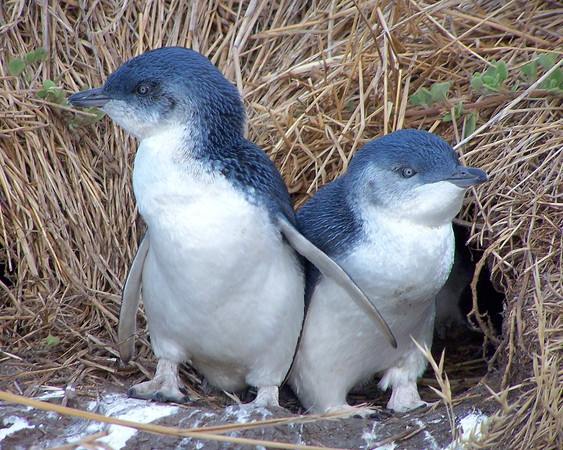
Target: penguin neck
(209, 137)
(173, 168)
(195, 140)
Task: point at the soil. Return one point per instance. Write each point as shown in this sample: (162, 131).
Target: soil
(22, 427)
(427, 428)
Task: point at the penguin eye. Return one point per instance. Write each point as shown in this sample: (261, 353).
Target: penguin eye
(407, 172)
(143, 89)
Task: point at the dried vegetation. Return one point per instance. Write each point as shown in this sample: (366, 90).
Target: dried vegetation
(319, 79)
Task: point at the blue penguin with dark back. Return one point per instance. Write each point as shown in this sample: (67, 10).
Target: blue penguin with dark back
(388, 223)
(218, 269)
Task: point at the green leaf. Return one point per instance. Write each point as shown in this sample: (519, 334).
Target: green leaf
(52, 341)
(48, 84)
(458, 112)
(491, 83)
(31, 57)
(38, 55)
(477, 81)
(557, 76)
(41, 54)
(52, 92)
(16, 66)
(415, 99)
(421, 97)
(489, 80)
(530, 71)
(502, 72)
(470, 123)
(99, 114)
(491, 70)
(547, 61)
(439, 92)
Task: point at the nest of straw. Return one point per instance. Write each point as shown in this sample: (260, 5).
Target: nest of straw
(319, 79)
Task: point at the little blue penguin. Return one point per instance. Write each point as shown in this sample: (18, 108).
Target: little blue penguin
(218, 268)
(388, 222)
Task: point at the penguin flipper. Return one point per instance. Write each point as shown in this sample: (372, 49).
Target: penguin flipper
(130, 299)
(329, 268)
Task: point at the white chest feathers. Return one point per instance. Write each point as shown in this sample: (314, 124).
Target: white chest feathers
(400, 261)
(401, 266)
(221, 287)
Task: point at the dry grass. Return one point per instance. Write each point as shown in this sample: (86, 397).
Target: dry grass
(318, 82)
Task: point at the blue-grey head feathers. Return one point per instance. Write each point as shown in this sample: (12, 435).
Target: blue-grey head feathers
(387, 169)
(397, 174)
(181, 89)
(174, 83)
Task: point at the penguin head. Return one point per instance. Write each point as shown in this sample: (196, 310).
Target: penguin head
(169, 87)
(412, 175)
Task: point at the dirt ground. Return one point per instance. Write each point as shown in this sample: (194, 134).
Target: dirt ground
(427, 428)
(23, 427)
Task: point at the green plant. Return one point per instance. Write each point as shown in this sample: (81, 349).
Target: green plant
(553, 83)
(49, 91)
(457, 113)
(16, 66)
(469, 119)
(492, 80)
(83, 120)
(437, 93)
(469, 124)
(51, 341)
(52, 93)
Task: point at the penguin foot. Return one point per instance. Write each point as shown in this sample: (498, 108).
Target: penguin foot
(375, 414)
(164, 387)
(150, 391)
(267, 396)
(405, 398)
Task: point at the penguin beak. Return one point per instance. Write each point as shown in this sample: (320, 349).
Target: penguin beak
(465, 177)
(90, 98)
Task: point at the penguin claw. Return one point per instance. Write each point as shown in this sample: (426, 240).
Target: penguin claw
(164, 387)
(160, 396)
(375, 414)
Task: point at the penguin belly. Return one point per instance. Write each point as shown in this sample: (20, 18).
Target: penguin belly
(340, 348)
(221, 288)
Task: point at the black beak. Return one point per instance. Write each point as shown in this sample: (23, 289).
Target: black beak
(465, 177)
(91, 98)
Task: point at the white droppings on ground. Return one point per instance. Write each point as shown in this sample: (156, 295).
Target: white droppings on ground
(50, 393)
(243, 413)
(122, 407)
(471, 426)
(438, 420)
(15, 424)
(371, 436)
(125, 408)
(390, 446)
(203, 416)
(431, 443)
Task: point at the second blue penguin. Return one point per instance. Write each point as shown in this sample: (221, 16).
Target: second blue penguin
(388, 223)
